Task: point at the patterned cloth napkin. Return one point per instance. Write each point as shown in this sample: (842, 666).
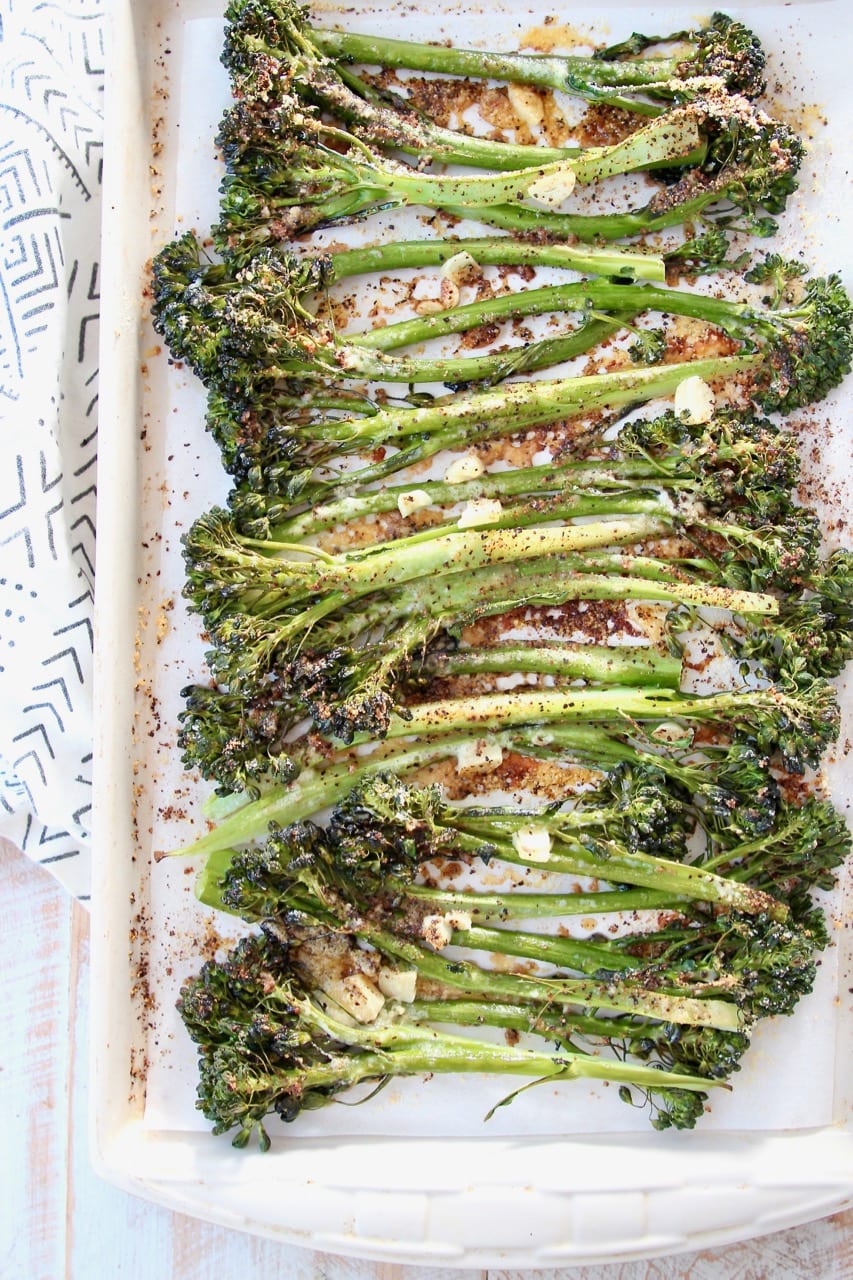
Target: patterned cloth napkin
(51, 86)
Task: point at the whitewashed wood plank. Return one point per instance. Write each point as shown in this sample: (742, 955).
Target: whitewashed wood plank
(34, 947)
(113, 1233)
(59, 1222)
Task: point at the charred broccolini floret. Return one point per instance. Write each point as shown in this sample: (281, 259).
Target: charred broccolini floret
(813, 634)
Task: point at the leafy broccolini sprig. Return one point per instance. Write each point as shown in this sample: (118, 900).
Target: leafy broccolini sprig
(625, 74)
(813, 634)
(269, 1046)
(362, 881)
(289, 172)
(735, 460)
(270, 50)
(748, 171)
(392, 828)
(343, 628)
(600, 726)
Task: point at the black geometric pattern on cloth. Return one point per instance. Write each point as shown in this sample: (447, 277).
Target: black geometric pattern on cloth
(51, 146)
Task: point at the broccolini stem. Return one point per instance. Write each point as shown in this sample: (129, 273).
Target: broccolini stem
(542, 706)
(583, 992)
(566, 73)
(393, 563)
(488, 907)
(396, 255)
(491, 835)
(321, 784)
(460, 420)
(581, 296)
(549, 1024)
(436, 1053)
(599, 478)
(654, 144)
(590, 227)
(327, 777)
(608, 664)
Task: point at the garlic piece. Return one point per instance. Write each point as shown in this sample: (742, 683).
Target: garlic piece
(553, 188)
(694, 400)
(357, 995)
(532, 843)
(458, 265)
(526, 104)
(398, 984)
(468, 467)
(458, 919)
(428, 306)
(436, 931)
(480, 511)
(413, 500)
(449, 293)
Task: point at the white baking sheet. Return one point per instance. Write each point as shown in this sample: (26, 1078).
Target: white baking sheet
(179, 476)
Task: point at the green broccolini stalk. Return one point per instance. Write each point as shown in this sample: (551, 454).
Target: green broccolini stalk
(733, 461)
(634, 664)
(269, 50)
(288, 172)
(418, 826)
(729, 783)
(268, 1046)
(632, 829)
(623, 74)
(283, 177)
(360, 881)
(245, 326)
(798, 721)
(275, 441)
(343, 628)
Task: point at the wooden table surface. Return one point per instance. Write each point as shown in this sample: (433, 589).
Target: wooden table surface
(57, 1220)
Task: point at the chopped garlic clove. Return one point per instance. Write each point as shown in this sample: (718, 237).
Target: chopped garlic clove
(478, 756)
(428, 306)
(532, 843)
(468, 468)
(436, 931)
(457, 266)
(480, 511)
(413, 500)
(552, 189)
(694, 400)
(458, 919)
(360, 997)
(449, 294)
(398, 984)
(526, 104)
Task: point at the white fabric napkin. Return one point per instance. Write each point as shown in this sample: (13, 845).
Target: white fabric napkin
(51, 86)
